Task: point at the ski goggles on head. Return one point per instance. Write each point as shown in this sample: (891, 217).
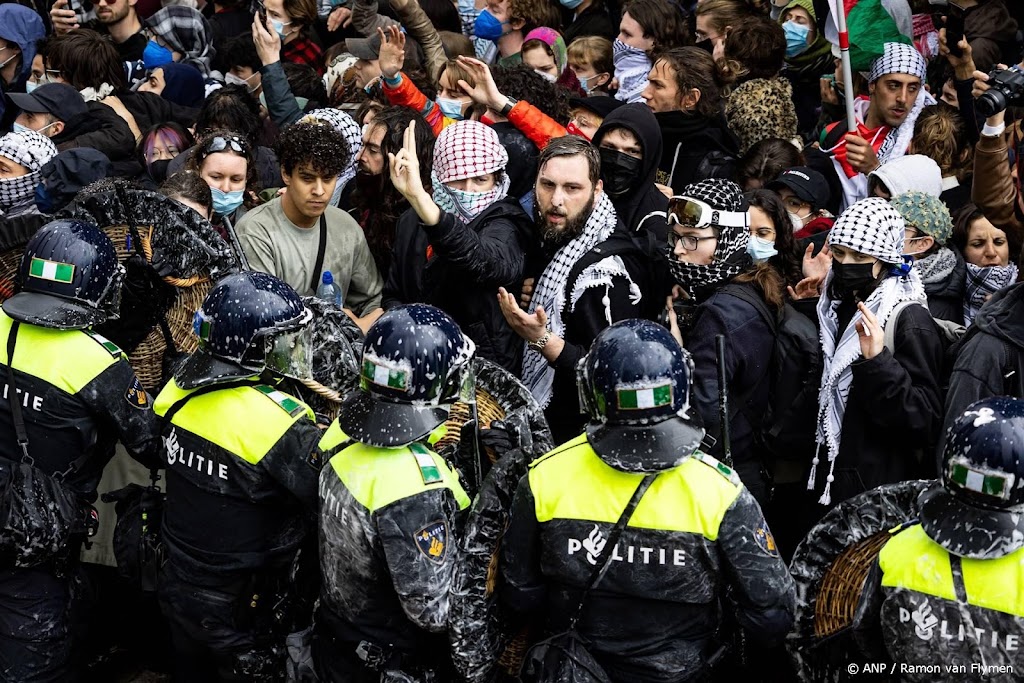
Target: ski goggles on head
(694, 213)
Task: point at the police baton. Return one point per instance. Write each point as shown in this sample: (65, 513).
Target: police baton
(723, 400)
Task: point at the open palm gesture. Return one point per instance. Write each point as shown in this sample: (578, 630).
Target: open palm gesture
(392, 51)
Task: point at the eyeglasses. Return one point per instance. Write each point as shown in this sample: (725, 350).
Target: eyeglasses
(689, 242)
(221, 143)
(697, 214)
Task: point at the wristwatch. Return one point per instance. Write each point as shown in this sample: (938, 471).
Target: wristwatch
(508, 107)
(539, 344)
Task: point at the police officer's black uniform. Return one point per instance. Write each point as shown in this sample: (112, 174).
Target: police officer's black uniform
(943, 601)
(695, 537)
(391, 507)
(77, 396)
(241, 483)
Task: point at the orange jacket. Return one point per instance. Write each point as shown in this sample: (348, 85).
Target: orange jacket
(535, 124)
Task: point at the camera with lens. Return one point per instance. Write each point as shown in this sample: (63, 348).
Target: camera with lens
(1006, 88)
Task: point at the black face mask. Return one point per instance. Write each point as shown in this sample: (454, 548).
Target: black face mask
(849, 279)
(619, 172)
(705, 45)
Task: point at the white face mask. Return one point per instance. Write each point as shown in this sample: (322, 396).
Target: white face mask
(232, 79)
(548, 77)
(797, 221)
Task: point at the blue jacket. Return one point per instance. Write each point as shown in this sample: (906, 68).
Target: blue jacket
(22, 26)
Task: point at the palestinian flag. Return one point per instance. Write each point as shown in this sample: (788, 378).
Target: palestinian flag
(871, 24)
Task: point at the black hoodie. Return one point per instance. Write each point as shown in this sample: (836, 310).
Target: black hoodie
(695, 148)
(992, 349)
(643, 197)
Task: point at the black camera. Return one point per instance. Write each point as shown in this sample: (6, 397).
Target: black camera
(1006, 88)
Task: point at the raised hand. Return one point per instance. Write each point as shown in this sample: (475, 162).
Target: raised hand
(405, 166)
(267, 41)
(62, 17)
(486, 91)
(872, 336)
(340, 17)
(392, 51)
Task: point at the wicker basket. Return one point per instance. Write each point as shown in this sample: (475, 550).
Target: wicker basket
(843, 583)
(147, 358)
(488, 410)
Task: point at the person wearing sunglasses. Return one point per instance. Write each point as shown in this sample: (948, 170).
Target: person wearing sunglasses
(726, 292)
(225, 161)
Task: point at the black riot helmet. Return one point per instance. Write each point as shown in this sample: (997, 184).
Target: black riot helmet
(978, 509)
(69, 278)
(635, 385)
(248, 323)
(415, 363)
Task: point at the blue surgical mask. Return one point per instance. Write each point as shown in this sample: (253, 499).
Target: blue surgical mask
(571, 4)
(450, 108)
(156, 55)
(585, 81)
(30, 86)
(44, 202)
(760, 249)
(796, 38)
(225, 203)
(18, 128)
(487, 27)
(279, 27)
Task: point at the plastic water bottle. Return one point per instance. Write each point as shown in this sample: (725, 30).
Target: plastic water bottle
(329, 290)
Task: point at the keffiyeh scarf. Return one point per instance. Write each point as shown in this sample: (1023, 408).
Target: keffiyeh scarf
(187, 31)
(632, 65)
(983, 282)
(353, 134)
(937, 267)
(551, 292)
(467, 205)
(871, 227)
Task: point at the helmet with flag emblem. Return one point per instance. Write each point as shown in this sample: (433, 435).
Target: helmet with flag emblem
(978, 509)
(248, 323)
(415, 363)
(635, 385)
(69, 278)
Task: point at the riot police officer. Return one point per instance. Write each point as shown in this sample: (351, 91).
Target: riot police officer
(68, 396)
(680, 534)
(945, 591)
(241, 481)
(390, 506)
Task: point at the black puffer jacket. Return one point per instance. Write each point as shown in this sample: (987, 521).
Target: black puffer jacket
(989, 359)
(458, 267)
(103, 130)
(643, 197)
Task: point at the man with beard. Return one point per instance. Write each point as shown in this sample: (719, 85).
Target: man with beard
(885, 122)
(376, 204)
(116, 19)
(592, 273)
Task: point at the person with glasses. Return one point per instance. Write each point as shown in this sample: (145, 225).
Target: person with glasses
(728, 294)
(114, 18)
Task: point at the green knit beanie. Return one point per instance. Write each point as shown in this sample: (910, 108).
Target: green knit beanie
(925, 213)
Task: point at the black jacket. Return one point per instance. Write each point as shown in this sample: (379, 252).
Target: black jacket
(591, 316)
(103, 130)
(643, 197)
(593, 21)
(150, 109)
(654, 616)
(458, 267)
(522, 158)
(946, 298)
(749, 342)
(695, 148)
(989, 358)
(892, 413)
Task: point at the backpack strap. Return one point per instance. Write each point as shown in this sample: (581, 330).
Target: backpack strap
(891, 324)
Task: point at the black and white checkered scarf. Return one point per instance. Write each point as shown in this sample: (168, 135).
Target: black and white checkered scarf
(872, 227)
(185, 30)
(983, 282)
(551, 292)
(731, 257)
